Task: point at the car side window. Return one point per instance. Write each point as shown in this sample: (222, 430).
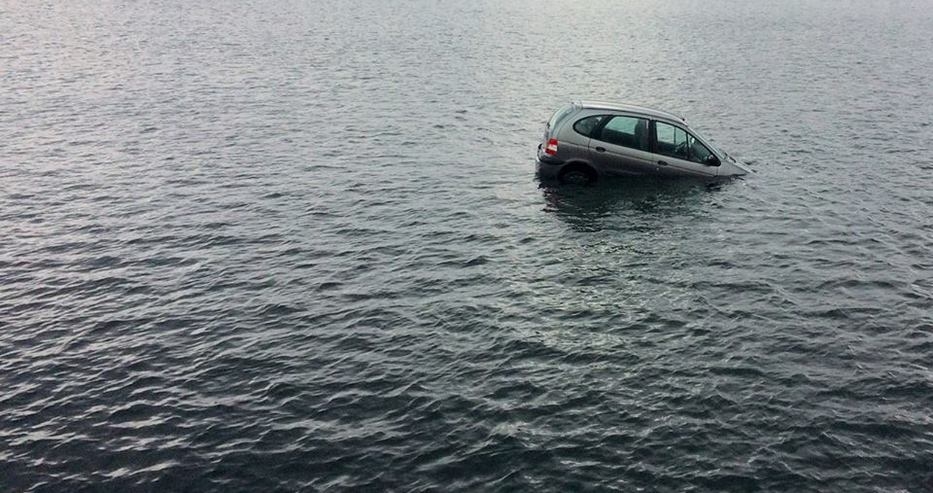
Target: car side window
(698, 152)
(585, 126)
(672, 141)
(626, 131)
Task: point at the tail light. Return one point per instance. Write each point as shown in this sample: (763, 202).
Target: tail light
(551, 148)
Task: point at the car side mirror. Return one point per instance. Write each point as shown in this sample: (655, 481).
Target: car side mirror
(712, 160)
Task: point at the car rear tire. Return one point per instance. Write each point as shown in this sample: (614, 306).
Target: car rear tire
(578, 174)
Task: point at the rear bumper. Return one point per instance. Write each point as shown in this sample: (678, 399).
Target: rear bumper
(547, 166)
(546, 159)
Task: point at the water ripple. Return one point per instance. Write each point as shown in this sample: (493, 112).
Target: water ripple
(276, 246)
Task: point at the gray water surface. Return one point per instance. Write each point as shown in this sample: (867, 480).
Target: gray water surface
(280, 245)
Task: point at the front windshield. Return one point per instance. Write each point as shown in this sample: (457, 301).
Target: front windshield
(716, 149)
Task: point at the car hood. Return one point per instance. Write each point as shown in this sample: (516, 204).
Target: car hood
(731, 167)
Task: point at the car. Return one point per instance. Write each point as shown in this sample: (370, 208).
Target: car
(587, 140)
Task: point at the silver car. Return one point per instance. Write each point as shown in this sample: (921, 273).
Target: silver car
(586, 140)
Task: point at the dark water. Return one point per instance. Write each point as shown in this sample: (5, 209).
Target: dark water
(274, 246)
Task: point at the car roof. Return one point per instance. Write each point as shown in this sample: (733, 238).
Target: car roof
(631, 108)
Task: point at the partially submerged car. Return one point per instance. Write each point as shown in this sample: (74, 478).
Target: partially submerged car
(586, 140)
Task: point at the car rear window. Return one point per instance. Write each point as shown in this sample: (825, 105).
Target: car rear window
(585, 126)
(559, 115)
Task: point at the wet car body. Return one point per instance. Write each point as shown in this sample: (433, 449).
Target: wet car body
(584, 141)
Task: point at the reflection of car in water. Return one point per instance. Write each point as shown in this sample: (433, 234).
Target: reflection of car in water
(630, 204)
(584, 141)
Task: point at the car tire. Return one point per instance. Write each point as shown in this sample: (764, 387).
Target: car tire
(578, 174)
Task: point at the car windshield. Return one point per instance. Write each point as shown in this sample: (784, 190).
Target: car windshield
(716, 149)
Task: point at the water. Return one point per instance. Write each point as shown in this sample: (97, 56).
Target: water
(278, 246)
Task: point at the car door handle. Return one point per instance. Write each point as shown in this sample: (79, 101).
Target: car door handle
(662, 163)
(600, 149)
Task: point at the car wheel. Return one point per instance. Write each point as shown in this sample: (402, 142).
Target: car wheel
(578, 175)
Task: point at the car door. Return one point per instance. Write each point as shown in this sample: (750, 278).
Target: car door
(622, 145)
(677, 152)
